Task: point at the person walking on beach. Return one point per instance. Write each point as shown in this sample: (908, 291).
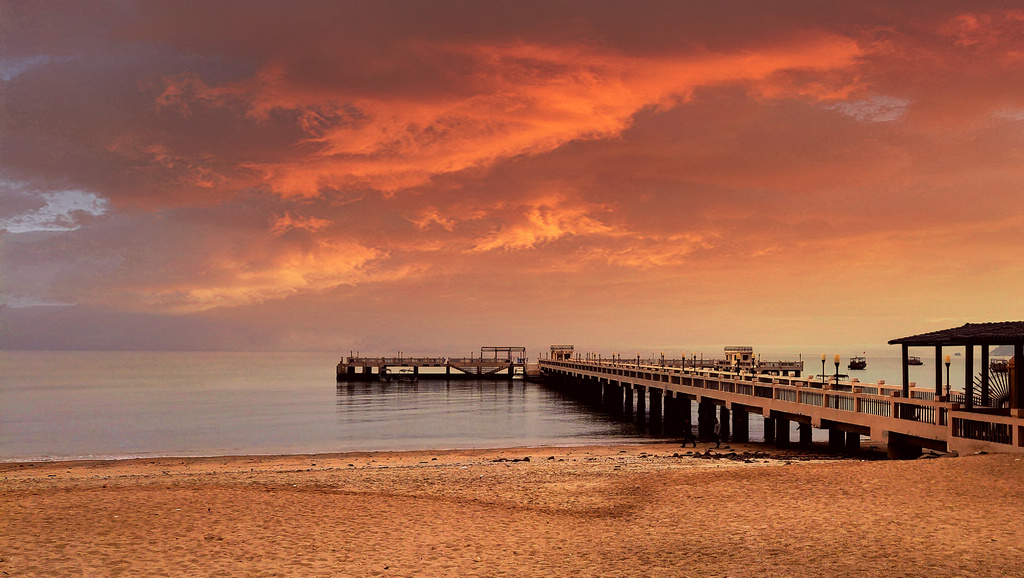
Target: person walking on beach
(718, 433)
(688, 436)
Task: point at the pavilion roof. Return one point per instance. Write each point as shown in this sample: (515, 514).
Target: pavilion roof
(1001, 333)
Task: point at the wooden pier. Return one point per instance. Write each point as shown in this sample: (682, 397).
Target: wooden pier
(906, 419)
(493, 363)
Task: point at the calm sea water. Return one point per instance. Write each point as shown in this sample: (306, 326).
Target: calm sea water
(886, 364)
(70, 405)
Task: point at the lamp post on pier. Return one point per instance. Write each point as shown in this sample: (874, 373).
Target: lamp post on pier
(837, 370)
(823, 371)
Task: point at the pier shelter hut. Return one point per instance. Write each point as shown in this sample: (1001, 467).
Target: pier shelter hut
(739, 356)
(562, 352)
(970, 336)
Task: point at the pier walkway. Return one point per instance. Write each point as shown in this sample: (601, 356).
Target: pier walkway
(493, 363)
(906, 419)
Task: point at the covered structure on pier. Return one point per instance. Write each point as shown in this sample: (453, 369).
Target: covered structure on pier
(970, 337)
(562, 352)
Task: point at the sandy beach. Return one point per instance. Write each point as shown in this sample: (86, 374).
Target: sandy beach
(645, 510)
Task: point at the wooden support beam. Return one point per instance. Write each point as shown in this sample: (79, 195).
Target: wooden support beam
(969, 377)
(906, 370)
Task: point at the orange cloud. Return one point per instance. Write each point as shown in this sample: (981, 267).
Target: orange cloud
(542, 221)
(287, 223)
(245, 280)
(432, 216)
(986, 30)
(199, 172)
(652, 252)
(519, 99)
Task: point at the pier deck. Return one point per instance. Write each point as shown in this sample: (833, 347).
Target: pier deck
(493, 363)
(847, 410)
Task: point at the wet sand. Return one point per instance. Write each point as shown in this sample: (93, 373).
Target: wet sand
(646, 510)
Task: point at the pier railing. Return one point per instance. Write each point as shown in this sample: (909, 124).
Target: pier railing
(875, 405)
(359, 368)
(377, 361)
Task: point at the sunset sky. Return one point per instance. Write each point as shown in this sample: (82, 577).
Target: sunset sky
(433, 177)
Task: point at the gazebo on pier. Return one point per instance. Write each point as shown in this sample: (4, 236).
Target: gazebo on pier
(970, 337)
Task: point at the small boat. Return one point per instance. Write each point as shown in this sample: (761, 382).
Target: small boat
(999, 365)
(914, 360)
(858, 362)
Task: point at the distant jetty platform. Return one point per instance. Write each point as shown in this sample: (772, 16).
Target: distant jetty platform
(498, 363)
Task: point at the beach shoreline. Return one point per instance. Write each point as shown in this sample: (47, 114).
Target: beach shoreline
(869, 450)
(630, 509)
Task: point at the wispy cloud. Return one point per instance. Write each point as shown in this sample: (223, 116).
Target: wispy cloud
(12, 67)
(246, 279)
(877, 108)
(58, 211)
(287, 222)
(543, 221)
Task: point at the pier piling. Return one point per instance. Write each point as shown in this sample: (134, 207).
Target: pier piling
(723, 419)
(852, 441)
(805, 434)
(641, 405)
(740, 425)
(656, 405)
(705, 420)
(836, 439)
(781, 432)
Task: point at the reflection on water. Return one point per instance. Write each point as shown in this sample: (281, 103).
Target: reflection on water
(468, 413)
